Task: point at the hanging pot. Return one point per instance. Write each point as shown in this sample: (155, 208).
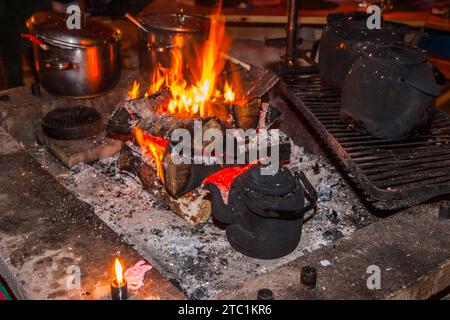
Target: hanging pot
(263, 213)
(345, 37)
(74, 63)
(390, 91)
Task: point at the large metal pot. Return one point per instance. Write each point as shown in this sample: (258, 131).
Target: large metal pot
(164, 32)
(345, 37)
(77, 63)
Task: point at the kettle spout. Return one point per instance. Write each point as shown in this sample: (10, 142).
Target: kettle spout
(220, 210)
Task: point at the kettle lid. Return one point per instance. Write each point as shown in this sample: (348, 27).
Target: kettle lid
(279, 184)
(353, 26)
(402, 53)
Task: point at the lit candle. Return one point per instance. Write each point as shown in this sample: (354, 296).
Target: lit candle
(119, 284)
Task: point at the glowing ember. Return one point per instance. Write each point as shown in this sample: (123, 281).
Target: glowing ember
(153, 146)
(224, 178)
(134, 91)
(119, 272)
(204, 87)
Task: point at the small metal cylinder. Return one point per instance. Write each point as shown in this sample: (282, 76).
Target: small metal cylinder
(265, 294)
(308, 277)
(119, 292)
(4, 98)
(35, 89)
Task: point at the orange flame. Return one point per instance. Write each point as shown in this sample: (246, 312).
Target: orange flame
(229, 94)
(119, 272)
(153, 146)
(134, 91)
(203, 71)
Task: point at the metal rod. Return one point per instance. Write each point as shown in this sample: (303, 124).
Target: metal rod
(135, 21)
(291, 49)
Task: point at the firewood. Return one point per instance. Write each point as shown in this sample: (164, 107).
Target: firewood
(181, 178)
(128, 113)
(193, 206)
(145, 113)
(247, 115)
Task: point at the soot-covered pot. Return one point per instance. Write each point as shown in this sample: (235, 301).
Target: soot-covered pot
(390, 92)
(263, 213)
(345, 37)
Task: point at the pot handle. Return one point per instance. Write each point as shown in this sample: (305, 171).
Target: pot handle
(158, 48)
(421, 84)
(59, 65)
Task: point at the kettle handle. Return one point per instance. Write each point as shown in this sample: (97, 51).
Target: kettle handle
(308, 189)
(59, 65)
(421, 84)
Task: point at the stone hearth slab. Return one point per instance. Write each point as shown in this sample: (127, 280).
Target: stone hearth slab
(411, 250)
(45, 229)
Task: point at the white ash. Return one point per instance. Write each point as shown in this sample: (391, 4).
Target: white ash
(199, 259)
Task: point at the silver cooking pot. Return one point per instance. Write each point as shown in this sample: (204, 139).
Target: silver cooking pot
(165, 31)
(77, 63)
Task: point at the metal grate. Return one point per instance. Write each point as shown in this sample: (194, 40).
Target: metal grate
(392, 174)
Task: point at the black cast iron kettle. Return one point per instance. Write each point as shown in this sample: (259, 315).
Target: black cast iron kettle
(390, 91)
(264, 213)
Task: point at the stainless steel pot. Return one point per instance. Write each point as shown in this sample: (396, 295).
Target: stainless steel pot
(165, 31)
(77, 63)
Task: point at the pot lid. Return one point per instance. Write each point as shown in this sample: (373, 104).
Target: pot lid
(51, 27)
(403, 53)
(354, 27)
(272, 196)
(174, 22)
(279, 184)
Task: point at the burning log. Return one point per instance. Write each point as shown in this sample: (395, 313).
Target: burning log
(247, 116)
(155, 138)
(193, 206)
(144, 113)
(128, 113)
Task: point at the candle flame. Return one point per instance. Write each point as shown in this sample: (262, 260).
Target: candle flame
(119, 272)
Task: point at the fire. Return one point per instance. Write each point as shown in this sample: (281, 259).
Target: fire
(229, 94)
(153, 146)
(119, 272)
(205, 87)
(224, 178)
(134, 91)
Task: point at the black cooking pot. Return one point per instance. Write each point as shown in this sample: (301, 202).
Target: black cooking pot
(264, 213)
(390, 91)
(345, 37)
